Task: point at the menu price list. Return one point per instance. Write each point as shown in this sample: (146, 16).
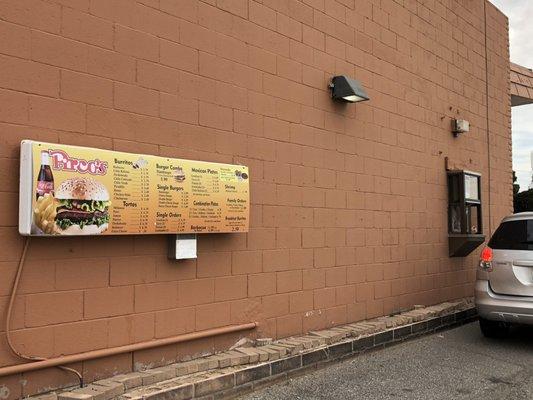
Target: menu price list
(227, 207)
(131, 197)
(172, 191)
(177, 198)
(205, 215)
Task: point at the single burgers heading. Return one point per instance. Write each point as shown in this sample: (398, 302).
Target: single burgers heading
(82, 207)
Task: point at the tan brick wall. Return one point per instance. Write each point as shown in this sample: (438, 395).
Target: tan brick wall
(348, 217)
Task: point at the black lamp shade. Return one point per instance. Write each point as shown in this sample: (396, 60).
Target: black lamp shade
(347, 90)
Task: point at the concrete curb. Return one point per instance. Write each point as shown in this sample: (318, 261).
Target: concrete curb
(258, 377)
(229, 374)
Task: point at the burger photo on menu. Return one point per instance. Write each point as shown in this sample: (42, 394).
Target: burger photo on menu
(82, 207)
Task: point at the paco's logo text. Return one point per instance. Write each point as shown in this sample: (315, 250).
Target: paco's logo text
(62, 161)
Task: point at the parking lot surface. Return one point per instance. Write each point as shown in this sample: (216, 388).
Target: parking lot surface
(454, 364)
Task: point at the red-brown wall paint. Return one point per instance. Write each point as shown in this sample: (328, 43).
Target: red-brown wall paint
(349, 209)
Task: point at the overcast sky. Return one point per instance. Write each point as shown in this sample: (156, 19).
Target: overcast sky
(520, 13)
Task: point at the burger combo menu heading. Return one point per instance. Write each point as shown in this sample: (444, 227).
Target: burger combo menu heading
(70, 190)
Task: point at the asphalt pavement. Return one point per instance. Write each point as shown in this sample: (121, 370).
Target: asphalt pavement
(453, 364)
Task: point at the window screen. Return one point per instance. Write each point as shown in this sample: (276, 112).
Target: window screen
(513, 235)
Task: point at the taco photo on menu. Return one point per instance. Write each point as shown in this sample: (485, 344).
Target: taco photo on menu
(82, 207)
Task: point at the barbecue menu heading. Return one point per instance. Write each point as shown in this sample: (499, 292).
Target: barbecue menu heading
(70, 190)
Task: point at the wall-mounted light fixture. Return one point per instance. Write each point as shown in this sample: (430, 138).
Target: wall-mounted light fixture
(460, 126)
(347, 90)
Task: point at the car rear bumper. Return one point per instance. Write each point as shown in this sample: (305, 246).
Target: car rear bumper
(497, 307)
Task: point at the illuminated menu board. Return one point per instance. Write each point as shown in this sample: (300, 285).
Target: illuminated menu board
(70, 190)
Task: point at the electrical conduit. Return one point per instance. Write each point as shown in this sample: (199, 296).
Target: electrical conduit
(42, 363)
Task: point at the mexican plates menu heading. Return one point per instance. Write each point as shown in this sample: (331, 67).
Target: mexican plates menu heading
(70, 190)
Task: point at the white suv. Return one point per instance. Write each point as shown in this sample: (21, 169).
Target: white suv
(504, 287)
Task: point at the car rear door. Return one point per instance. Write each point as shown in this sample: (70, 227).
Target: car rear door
(512, 246)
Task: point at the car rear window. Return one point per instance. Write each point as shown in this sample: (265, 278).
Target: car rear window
(513, 235)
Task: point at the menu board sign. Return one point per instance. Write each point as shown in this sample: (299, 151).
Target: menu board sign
(471, 187)
(70, 190)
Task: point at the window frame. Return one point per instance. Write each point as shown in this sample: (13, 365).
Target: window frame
(457, 200)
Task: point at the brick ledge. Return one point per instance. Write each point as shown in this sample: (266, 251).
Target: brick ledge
(229, 374)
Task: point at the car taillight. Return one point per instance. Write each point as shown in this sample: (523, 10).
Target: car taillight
(485, 262)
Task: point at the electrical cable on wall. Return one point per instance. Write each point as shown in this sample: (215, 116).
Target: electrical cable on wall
(12, 297)
(488, 122)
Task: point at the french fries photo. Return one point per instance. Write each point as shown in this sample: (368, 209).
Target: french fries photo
(44, 213)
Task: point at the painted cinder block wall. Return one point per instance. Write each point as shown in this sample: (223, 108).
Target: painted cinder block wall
(348, 216)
